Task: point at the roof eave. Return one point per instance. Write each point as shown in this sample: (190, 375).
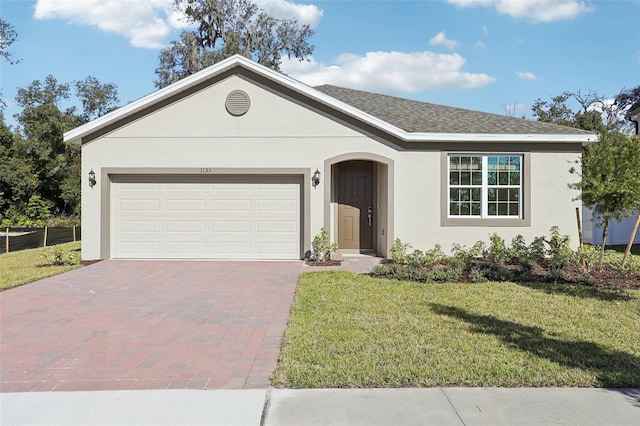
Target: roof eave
(500, 137)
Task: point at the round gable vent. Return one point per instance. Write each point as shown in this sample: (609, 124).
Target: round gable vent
(237, 103)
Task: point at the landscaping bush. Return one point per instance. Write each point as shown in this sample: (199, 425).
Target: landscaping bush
(321, 248)
(545, 259)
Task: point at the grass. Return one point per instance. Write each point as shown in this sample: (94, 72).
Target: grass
(635, 249)
(347, 330)
(25, 266)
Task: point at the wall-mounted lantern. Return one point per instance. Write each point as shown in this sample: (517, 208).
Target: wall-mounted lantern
(315, 179)
(92, 178)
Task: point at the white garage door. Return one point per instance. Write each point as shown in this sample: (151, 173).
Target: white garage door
(163, 217)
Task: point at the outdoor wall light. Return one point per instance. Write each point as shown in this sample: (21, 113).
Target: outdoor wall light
(315, 179)
(92, 178)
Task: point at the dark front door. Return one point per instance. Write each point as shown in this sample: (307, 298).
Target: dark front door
(355, 205)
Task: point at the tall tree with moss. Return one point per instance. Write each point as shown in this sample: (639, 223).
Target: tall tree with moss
(225, 28)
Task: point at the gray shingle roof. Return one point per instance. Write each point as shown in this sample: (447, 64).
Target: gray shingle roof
(421, 117)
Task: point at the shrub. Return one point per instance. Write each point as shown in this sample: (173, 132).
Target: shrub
(380, 271)
(536, 250)
(477, 275)
(560, 253)
(321, 248)
(399, 251)
(55, 256)
(462, 257)
(497, 272)
(518, 250)
(497, 252)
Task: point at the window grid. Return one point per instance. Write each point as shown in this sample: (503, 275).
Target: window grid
(485, 186)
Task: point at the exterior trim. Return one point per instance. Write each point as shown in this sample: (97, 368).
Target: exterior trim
(105, 196)
(525, 221)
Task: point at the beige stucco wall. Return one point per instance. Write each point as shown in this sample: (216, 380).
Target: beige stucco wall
(197, 132)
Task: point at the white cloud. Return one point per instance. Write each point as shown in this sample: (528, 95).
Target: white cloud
(441, 39)
(148, 23)
(480, 44)
(142, 22)
(389, 72)
(305, 13)
(527, 75)
(485, 30)
(533, 10)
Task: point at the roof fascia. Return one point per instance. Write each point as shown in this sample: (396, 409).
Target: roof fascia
(75, 136)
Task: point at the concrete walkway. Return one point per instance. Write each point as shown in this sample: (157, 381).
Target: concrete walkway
(280, 407)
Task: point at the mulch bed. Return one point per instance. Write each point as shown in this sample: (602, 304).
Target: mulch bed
(323, 263)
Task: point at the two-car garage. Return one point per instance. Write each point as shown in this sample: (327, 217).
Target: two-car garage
(205, 216)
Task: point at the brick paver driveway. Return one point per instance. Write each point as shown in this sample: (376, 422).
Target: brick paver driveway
(147, 325)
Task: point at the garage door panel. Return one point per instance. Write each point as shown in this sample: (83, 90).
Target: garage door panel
(230, 249)
(137, 248)
(277, 227)
(226, 226)
(184, 206)
(185, 248)
(138, 226)
(199, 217)
(272, 248)
(139, 205)
(182, 226)
(229, 205)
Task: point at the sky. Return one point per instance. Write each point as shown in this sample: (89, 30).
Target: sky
(496, 56)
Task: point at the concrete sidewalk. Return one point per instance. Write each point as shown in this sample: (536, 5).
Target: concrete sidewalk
(432, 406)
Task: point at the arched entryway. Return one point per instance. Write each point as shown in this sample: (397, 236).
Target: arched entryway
(360, 213)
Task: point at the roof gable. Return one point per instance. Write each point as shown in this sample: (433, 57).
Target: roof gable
(407, 120)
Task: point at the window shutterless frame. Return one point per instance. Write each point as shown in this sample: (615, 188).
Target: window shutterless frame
(485, 189)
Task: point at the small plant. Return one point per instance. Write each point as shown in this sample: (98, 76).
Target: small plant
(435, 255)
(518, 250)
(321, 248)
(380, 271)
(462, 257)
(55, 256)
(560, 253)
(399, 252)
(537, 251)
(477, 275)
(497, 252)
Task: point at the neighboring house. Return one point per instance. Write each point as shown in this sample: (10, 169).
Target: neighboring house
(239, 161)
(619, 232)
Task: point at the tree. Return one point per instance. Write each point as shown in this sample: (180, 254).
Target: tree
(559, 112)
(610, 183)
(96, 98)
(8, 36)
(229, 27)
(34, 160)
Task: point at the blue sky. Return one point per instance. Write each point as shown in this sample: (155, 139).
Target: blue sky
(486, 55)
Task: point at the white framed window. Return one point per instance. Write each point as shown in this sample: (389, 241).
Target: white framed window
(484, 186)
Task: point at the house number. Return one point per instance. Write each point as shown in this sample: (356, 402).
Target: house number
(206, 170)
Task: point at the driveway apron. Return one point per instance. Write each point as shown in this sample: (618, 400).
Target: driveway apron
(147, 325)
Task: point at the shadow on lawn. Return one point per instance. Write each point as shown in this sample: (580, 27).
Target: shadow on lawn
(612, 368)
(583, 291)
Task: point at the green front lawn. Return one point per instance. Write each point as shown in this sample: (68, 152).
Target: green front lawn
(25, 266)
(347, 330)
